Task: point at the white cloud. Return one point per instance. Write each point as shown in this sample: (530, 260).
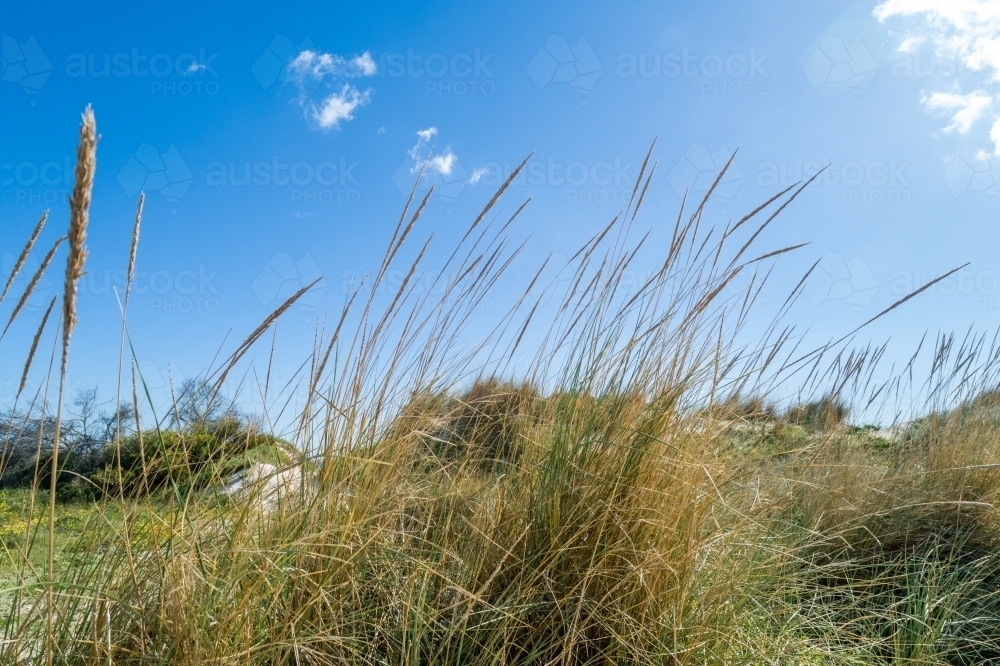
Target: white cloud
(194, 67)
(339, 106)
(910, 44)
(364, 64)
(477, 175)
(442, 163)
(967, 108)
(310, 64)
(967, 31)
(424, 158)
(312, 70)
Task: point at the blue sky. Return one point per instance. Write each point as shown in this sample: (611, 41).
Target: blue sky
(330, 105)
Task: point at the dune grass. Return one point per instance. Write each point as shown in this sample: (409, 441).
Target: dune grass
(602, 478)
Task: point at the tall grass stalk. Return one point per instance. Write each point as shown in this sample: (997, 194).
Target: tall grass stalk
(79, 213)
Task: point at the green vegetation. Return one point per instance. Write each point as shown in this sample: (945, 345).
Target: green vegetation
(194, 457)
(627, 493)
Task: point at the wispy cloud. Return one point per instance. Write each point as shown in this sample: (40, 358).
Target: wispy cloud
(965, 109)
(477, 175)
(323, 75)
(443, 163)
(339, 106)
(424, 158)
(365, 64)
(321, 65)
(967, 31)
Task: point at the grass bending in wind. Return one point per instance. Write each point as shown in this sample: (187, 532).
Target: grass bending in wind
(614, 500)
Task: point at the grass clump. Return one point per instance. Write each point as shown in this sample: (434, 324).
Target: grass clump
(824, 414)
(900, 554)
(484, 426)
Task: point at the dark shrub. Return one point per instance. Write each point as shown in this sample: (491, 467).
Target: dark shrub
(483, 426)
(196, 456)
(823, 414)
(744, 409)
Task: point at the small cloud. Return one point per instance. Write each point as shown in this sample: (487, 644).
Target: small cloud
(424, 158)
(967, 108)
(381, 130)
(310, 63)
(311, 69)
(911, 44)
(315, 65)
(442, 163)
(365, 64)
(477, 175)
(339, 106)
(194, 67)
(441, 169)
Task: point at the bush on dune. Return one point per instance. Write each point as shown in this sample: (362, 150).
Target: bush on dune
(196, 456)
(824, 414)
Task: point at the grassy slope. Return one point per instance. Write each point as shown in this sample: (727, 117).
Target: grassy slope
(703, 540)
